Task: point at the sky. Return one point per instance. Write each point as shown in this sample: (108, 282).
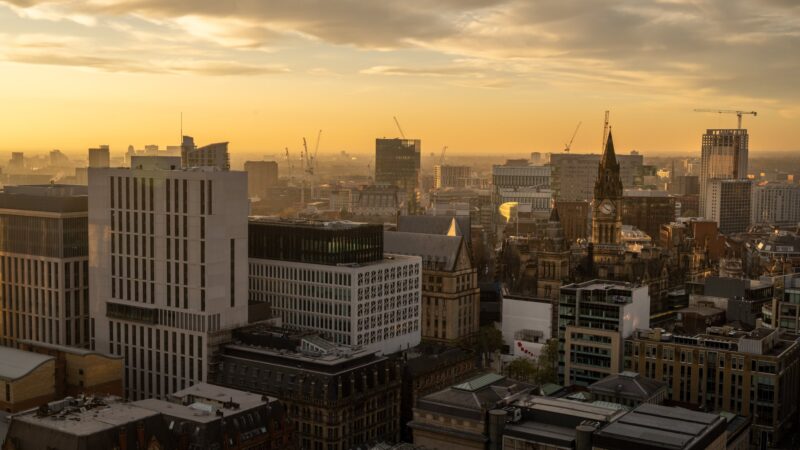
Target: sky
(479, 76)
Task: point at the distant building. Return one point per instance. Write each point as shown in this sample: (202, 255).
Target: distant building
(574, 217)
(776, 204)
(397, 163)
(574, 174)
(515, 174)
(786, 313)
(728, 202)
(685, 185)
(338, 396)
(647, 210)
(723, 156)
(99, 157)
(628, 389)
(741, 298)
(169, 260)
(445, 176)
(44, 265)
(212, 155)
(464, 415)
(594, 318)
(725, 370)
(380, 202)
(261, 175)
(527, 325)
(450, 294)
(333, 278)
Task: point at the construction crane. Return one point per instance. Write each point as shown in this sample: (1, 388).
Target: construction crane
(568, 146)
(312, 160)
(289, 162)
(605, 131)
(308, 166)
(441, 156)
(399, 128)
(739, 114)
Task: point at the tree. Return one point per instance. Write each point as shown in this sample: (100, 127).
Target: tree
(522, 369)
(547, 363)
(490, 339)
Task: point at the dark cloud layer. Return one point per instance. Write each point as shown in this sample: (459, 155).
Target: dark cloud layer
(741, 48)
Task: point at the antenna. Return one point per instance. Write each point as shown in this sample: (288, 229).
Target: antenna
(180, 141)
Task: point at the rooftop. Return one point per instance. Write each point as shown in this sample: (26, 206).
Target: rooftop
(657, 427)
(628, 384)
(204, 403)
(86, 416)
(66, 349)
(439, 251)
(308, 223)
(15, 364)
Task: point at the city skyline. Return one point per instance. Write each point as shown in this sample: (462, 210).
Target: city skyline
(485, 75)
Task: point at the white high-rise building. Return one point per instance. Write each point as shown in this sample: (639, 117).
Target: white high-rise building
(728, 203)
(776, 203)
(723, 156)
(167, 268)
(333, 278)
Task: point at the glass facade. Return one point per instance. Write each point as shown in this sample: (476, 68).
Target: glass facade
(315, 243)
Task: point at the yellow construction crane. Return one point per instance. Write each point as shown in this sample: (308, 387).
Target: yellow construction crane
(739, 114)
(397, 122)
(568, 146)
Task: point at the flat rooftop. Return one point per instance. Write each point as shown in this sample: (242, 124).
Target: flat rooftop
(313, 224)
(89, 418)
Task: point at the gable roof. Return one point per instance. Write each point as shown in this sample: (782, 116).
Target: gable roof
(437, 251)
(15, 364)
(444, 225)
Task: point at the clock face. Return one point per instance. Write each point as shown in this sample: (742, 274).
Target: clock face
(607, 207)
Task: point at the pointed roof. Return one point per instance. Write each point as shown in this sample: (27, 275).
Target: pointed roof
(554, 214)
(609, 156)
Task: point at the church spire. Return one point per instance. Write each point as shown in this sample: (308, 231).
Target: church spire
(609, 183)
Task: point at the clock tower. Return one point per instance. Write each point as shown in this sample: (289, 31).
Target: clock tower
(607, 203)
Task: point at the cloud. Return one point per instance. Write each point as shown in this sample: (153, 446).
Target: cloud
(728, 48)
(221, 68)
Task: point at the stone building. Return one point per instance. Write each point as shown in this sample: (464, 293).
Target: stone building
(337, 396)
(450, 293)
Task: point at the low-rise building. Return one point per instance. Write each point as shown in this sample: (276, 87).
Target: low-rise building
(752, 373)
(629, 389)
(460, 416)
(27, 379)
(80, 371)
(655, 427)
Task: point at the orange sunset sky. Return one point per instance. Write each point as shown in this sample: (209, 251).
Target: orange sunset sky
(480, 76)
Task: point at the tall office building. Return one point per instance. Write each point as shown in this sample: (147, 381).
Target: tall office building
(397, 162)
(594, 319)
(168, 270)
(723, 156)
(44, 263)
(261, 175)
(212, 155)
(727, 202)
(445, 176)
(574, 175)
(99, 157)
(776, 203)
(334, 279)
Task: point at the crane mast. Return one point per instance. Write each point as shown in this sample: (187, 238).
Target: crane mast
(738, 113)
